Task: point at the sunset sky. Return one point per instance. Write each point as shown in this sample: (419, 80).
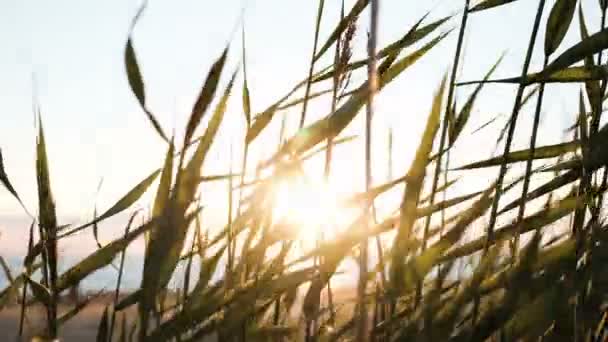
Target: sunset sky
(68, 54)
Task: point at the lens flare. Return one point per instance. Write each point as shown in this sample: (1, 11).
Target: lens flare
(313, 208)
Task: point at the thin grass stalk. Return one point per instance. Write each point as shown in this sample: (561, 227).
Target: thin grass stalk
(362, 329)
(376, 313)
(334, 99)
(338, 59)
(187, 273)
(595, 124)
(442, 212)
(577, 232)
(597, 110)
(384, 309)
(183, 296)
(121, 268)
(444, 130)
(312, 63)
(277, 304)
(528, 175)
(507, 148)
(45, 270)
(230, 242)
(595, 216)
(584, 187)
(512, 124)
(30, 245)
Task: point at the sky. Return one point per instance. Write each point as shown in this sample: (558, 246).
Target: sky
(68, 55)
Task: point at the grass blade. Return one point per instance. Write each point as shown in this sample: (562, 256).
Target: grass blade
(558, 23)
(205, 96)
(411, 196)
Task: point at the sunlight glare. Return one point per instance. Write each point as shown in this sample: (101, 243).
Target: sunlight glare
(313, 208)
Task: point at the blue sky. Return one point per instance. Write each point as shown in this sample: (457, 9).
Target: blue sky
(95, 128)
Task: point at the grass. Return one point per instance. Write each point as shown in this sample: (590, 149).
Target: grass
(521, 283)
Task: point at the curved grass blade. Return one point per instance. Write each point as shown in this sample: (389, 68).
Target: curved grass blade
(487, 4)
(246, 98)
(167, 241)
(48, 229)
(7, 271)
(40, 292)
(446, 318)
(558, 23)
(164, 186)
(301, 100)
(137, 86)
(543, 152)
(6, 182)
(122, 204)
(205, 96)
(411, 196)
(592, 87)
(214, 178)
(429, 210)
(593, 44)
(367, 197)
(98, 259)
(461, 120)
(535, 221)
(417, 268)
(12, 289)
(134, 75)
(439, 189)
(556, 183)
(567, 75)
(266, 287)
(333, 124)
(260, 122)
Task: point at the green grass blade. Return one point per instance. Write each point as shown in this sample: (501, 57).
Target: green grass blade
(543, 152)
(535, 221)
(6, 182)
(333, 124)
(574, 74)
(592, 87)
(205, 96)
(462, 119)
(558, 23)
(419, 266)
(411, 196)
(137, 86)
(593, 44)
(487, 4)
(164, 186)
(40, 292)
(246, 98)
(98, 259)
(122, 204)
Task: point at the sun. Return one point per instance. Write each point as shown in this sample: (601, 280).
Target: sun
(312, 207)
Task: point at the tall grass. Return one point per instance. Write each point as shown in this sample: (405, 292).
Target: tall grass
(541, 288)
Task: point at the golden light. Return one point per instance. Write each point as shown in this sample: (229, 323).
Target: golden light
(311, 207)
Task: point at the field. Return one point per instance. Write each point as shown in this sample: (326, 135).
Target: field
(407, 257)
